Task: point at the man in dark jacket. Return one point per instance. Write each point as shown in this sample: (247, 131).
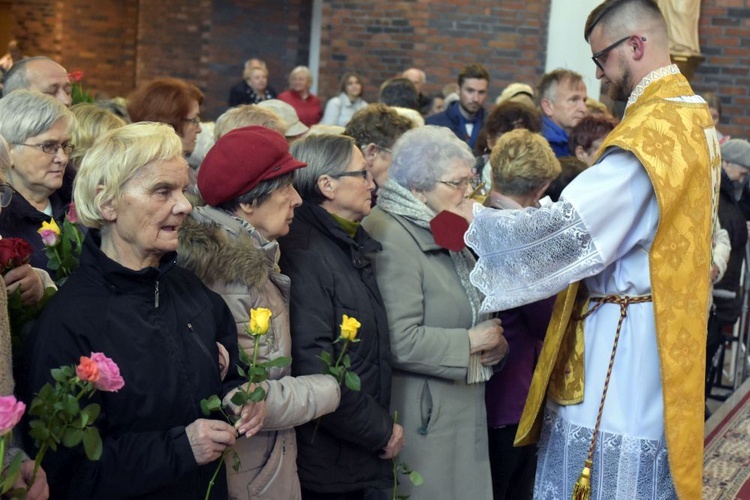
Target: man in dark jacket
(466, 116)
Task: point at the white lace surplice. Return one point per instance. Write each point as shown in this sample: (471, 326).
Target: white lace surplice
(600, 231)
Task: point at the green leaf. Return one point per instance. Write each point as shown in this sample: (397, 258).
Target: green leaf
(352, 381)
(213, 403)
(236, 462)
(326, 357)
(416, 478)
(70, 404)
(245, 358)
(59, 375)
(240, 398)
(242, 372)
(279, 362)
(92, 444)
(347, 361)
(10, 474)
(72, 437)
(89, 414)
(259, 394)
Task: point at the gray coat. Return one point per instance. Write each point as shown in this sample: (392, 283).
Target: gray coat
(444, 419)
(228, 260)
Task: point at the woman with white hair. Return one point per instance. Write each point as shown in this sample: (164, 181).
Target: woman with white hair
(156, 320)
(435, 325)
(298, 95)
(39, 130)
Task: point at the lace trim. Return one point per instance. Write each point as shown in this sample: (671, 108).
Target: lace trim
(624, 467)
(527, 255)
(671, 69)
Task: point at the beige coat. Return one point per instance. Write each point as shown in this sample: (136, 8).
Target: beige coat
(444, 419)
(234, 264)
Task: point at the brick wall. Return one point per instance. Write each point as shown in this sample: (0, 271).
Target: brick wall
(724, 31)
(381, 38)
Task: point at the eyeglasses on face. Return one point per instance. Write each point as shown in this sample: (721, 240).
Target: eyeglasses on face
(51, 148)
(365, 174)
(195, 121)
(462, 184)
(599, 58)
(6, 193)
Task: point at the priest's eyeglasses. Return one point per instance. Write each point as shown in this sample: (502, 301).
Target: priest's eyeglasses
(600, 58)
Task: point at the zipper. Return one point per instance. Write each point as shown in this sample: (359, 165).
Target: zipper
(156, 296)
(203, 347)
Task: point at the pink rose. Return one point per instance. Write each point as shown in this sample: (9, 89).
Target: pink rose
(72, 215)
(49, 237)
(109, 373)
(11, 411)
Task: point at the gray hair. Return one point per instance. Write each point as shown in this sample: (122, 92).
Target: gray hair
(245, 115)
(423, 155)
(304, 70)
(259, 194)
(5, 160)
(325, 155)
(27, 113)
(16, 78)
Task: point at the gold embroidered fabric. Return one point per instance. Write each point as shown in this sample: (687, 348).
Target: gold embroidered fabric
(676, 143)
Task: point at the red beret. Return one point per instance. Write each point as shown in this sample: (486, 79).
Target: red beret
(242, 159)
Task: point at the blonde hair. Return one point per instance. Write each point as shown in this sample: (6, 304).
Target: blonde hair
(522, 162)
(303, 70)
(246, 115)
(93, 121)
(114, 160)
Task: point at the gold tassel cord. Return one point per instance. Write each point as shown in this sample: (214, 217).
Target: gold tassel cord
(582, 488)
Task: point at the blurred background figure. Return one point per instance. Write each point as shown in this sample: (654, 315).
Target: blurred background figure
(306, 104)
(714, 106)
(293, 127)
(570, 168)
(437, 332)
(325, 255)
(13, 55)
(172, 101)
(39, 129)
(435, 104)
(231, 244)
(254, 85)
(91, 122)
(588, 135)
(517, 92)
(507, 116)
(418, 78)
(340, 109)
(375, 130)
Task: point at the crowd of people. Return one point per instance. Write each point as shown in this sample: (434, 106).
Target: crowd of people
(530, 281)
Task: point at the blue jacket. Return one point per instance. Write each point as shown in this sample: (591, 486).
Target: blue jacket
(451, 118)
(556, 137)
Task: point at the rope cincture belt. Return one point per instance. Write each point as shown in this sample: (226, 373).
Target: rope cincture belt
(582, 488)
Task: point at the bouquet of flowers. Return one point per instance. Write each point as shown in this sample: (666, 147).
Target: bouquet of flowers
(11, 412)
(59, 419)
(62, 246)
(256, 372)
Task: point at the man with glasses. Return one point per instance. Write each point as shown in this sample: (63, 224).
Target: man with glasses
(622, 366)
(41, 74)
(562, 97)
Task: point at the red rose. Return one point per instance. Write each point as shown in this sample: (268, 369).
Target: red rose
(75, 76)
(14, 252)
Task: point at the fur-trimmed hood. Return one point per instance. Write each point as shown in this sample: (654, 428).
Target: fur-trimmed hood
(217, 248)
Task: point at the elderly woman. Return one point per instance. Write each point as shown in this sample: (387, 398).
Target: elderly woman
(254, 85)
(298, 94)
(324, 255)
(39, 129)
(156, 320)
(172, 101)
(437, 333)
(246, 179)
(340, 109)
(588, 135)
(523, 165)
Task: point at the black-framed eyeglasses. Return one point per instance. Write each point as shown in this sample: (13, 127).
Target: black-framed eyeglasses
(195, 121)
(605, 51)
(6, 194)
(461, 185)
(365, 174)
(50, 148)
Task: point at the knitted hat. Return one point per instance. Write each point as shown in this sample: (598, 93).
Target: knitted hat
(736, 151)
(242, 159)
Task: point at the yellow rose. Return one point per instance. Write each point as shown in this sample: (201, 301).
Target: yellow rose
(259, 319)
(349, 327)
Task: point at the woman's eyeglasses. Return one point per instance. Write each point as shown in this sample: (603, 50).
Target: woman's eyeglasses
(6, 194)
(50, 148)
(195, 121)
(462, 184)
(365, 174)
